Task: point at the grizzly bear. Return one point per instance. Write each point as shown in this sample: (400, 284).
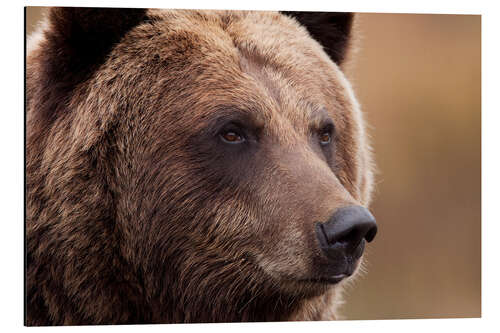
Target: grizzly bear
(192, 166)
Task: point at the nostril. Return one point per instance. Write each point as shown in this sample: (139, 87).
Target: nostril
(349, 225)
(353, 237)
(370, 234)
(356, 234)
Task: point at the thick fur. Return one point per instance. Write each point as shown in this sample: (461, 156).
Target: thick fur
(137, 213)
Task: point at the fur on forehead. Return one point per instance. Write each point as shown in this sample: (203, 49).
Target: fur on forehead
(82, 39)
(258, 35)
(273, 48)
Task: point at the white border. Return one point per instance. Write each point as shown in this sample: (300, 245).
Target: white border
(426, 6)
(12, 165)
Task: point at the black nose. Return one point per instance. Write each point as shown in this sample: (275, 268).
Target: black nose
(347, 227)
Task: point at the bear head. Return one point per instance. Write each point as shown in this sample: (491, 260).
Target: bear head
(182, 166)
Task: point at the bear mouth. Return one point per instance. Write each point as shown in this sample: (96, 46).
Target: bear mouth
(327, 279)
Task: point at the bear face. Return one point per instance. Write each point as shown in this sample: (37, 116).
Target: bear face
(178, 163)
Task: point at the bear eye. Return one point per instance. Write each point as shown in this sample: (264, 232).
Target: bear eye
(326, 134)
(232, 137)
(325, 138)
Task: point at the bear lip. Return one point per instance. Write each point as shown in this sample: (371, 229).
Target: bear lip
(327, 279)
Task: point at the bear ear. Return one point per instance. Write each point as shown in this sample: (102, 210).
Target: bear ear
(86, 34)
(331, 30)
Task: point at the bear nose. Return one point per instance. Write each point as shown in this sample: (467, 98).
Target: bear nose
(348, 226)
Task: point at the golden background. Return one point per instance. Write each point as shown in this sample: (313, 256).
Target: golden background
(418, 79)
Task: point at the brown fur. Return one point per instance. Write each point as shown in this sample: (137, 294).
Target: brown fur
(135, 214)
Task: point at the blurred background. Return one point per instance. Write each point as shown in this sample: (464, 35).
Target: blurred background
(418, 79)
